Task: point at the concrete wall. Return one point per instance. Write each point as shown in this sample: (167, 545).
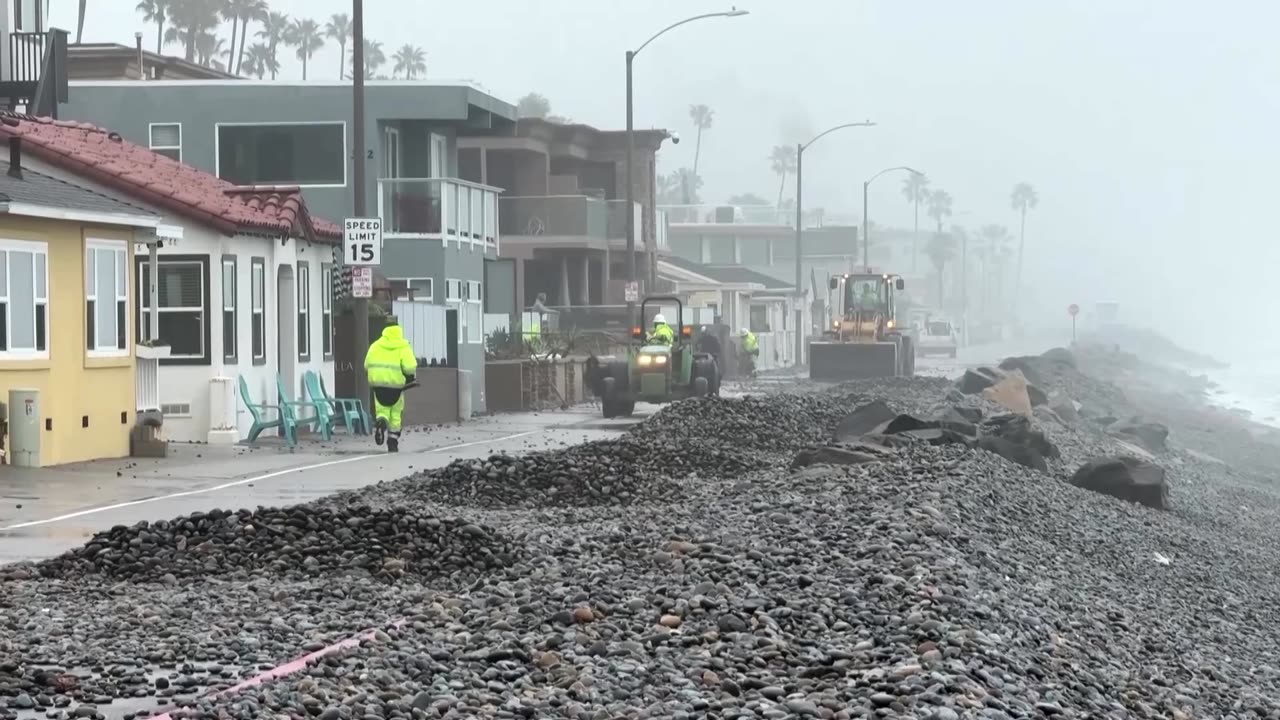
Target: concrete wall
(130, 108)
(74, 387)
(500, 286)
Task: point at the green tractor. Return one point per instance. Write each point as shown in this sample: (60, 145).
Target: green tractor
(653, 373)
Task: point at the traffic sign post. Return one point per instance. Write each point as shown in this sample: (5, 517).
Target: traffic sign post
(1073, 310)
(632, 291)
(362, 241)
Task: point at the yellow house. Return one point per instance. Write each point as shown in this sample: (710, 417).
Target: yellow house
(66, 253)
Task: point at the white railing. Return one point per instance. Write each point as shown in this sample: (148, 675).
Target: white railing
(147, 385)
(447, 209)
(752, 215)
(425, 327)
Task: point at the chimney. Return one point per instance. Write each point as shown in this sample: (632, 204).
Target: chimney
(15, 157)
(142, 66)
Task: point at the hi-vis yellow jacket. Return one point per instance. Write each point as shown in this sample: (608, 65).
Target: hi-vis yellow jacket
(390, 359)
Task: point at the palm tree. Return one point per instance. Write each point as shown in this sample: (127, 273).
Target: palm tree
(996, 236)
(155, 11)
(783, 161)
(939, 207)
(701, 116)
(275, 26)
(411, 61)
(915, 188)
(210, 47)
(80, 22)
(1022, 199)
(240, 13)
(339, 28)
(189, 19)
(374, 58)
(258, 61)
(941, 250)
(305, 35)
(533, 105)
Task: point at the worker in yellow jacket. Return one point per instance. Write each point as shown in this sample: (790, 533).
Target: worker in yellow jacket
(392, 367)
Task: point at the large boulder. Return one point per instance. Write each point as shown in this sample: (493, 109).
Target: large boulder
(976, 380)
(1127, 478)
(1019, 430)
(939, 436)
(1011, 394)
(1019, 454)
(965, 423)
(1059, 356)
(1064, 407)
(1026, 364)
(863, 420)
(1151, 435)
(1037, 396)
(904, 423)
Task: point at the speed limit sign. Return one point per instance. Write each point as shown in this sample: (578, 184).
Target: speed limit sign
(362, 241)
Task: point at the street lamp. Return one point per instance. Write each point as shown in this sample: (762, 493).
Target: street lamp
(866, 237)
(631, 145)
(800, 148)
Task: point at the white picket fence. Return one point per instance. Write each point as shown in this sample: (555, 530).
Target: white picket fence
(425, 327)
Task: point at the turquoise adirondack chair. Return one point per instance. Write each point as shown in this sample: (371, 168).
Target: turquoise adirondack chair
(321, 418)
(260, 423)
(350, 410)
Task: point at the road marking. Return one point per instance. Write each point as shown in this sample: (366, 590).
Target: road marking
(257, 478)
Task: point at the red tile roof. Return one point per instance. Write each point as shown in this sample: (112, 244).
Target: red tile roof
(107, 158)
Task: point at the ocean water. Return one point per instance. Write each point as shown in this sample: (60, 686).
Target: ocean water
(1251, 388)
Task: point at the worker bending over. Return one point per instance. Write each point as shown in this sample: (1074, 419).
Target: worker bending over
(392, 366)
(750, 350)
(662, 334)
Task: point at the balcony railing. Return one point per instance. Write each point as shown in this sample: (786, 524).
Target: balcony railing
(439, 208)
(554, 216)
(751, 215)
(36, 74)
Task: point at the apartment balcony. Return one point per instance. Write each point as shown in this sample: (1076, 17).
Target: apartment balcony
(34, 74)
(444, 209)
(555, 221)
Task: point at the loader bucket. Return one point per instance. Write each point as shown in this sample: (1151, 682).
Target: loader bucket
(837, 361)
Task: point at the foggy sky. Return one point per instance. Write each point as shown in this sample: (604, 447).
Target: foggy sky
(1147, 127)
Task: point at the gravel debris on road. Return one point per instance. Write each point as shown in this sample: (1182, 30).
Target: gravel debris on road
(685, 571)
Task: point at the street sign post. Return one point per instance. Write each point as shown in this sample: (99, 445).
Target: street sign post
(362, 241)
(362, 281)
(632, 291)
(1073, 310)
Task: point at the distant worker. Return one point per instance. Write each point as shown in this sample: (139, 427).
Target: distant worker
(750, 350)
(869, 298)
(392, 367)
(662, 334)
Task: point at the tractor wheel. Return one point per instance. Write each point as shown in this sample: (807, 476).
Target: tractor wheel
(608, 401)
(701, 386)
(626, 409)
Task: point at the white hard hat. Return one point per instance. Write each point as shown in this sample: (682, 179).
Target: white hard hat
(659, 319)
(744, 331)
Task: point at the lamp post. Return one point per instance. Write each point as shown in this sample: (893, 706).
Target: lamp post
(631, 147)
(800, 148)
(357, 183)
(866, 225)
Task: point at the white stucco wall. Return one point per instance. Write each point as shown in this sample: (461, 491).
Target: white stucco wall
(193, 384)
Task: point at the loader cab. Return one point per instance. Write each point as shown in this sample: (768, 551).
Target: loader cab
(867, 293)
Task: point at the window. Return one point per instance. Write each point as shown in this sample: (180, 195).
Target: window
(474, 312)
(182, 289)
(312, 154)
(257, 308)
(229, 302)
(106, 288)
(304, 311)
(759, 318)
(414, 290)
(24, 299)
(452, 290)
(166, 139)
(326, 309)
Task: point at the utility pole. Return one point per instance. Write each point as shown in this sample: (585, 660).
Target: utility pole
(866, 239)
(799, 240)
(361, 192)
(630, 208)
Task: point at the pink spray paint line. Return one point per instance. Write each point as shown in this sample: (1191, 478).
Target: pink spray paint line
(289, 668)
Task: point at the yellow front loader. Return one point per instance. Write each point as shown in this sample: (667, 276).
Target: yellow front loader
(862, 338)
